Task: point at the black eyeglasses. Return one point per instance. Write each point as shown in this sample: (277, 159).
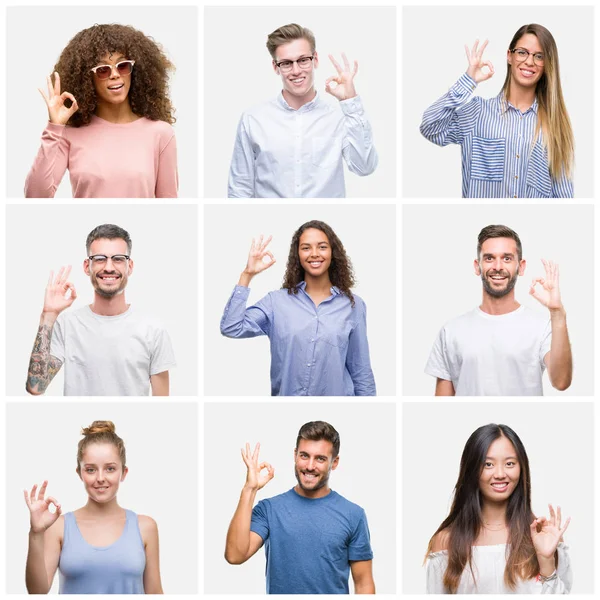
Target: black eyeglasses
(521, 55)
(304, 62)
(100, 259)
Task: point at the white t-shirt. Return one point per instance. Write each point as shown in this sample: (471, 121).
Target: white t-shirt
(110, 356)
(493, 355)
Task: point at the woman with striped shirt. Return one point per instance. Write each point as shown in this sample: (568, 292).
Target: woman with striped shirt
(520, 143)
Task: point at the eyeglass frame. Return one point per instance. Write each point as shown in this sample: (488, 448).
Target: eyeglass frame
(93, 256)
(311, 58)
(113, 68)
(532, 54)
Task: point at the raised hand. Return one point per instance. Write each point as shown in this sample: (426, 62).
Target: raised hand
(344, 90)
(547, 533)
(58, 113)
(476, 63)
(546, 290)
(255, 478)
(258, 250)
(39, 509)
(55, 297)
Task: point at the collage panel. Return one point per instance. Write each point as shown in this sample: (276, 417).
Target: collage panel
(111, 292)
(91, 488)
(308, 281)
(517, 315)
(327, 525)
(117, 104)
(517, 471)
(306, 109)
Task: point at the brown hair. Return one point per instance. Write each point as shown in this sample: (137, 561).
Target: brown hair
(100, 432)
(341, 273)
(498, 231)
(289, 33)
(320, 430)
(149, 91)
(553, 119)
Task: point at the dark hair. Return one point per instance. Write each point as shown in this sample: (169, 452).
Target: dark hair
(320, 430)
(289, 33)
(341, 273)
(149, 91)
(107, 232)
(464, 522)
(498, 231)
(100, 432)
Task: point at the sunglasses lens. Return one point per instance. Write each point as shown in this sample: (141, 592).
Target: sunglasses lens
(103, 72)
(124, 68)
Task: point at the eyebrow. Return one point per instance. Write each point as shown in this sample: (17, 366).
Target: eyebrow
(490, 255)
(94, 464)
(506, 458)
(292, 59)
(318, 243)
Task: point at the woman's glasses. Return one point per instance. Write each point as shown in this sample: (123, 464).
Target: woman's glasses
(123, 67)
(521, 55)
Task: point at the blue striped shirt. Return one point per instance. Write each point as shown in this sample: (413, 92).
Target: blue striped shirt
(315, 350)
(499, 159)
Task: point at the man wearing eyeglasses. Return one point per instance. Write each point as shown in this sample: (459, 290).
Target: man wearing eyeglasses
(293, 146)
(107, 347)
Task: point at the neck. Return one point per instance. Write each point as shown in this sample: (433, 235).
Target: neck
(109, 307)
(521, 97)
(319, 493)
(494, 513)
(297, 102)
(95, 509)
(499, 306)
(116, 113)
(320, 285)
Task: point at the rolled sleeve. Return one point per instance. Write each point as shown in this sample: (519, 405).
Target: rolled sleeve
(358, 151)
(358, 361)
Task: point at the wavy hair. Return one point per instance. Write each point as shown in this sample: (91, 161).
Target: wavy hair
(149, 91)
(553, 118)
(464, 522)
(341, 273)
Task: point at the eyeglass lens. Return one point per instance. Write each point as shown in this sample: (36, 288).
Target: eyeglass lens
(105, 71)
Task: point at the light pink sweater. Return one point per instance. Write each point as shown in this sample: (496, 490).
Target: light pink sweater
(107, 160)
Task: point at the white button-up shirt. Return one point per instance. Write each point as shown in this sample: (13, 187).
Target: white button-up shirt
(285, 153)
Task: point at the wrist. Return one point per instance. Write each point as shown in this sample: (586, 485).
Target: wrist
(558, 312)
(547, 565)
(34, 534)
(48, 317)
(245, 278)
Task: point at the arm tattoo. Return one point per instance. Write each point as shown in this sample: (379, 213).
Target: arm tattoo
(42, 365)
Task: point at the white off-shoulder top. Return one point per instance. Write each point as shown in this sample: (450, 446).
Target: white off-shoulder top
(489, 563)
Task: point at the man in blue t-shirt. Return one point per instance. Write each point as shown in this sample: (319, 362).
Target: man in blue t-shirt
(313, 537)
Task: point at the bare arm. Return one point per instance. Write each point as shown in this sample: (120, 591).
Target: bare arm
(362, 575)
(559, 360)
(443, 387)
(160, 384)
(149, 531)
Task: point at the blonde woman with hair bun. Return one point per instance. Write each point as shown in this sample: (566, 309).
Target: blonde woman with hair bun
(99, 548)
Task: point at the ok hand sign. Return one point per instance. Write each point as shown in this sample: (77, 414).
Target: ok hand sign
(58, 113)
(258, 250)
(55, 298)
(549, 292)
(476, 63)
(255, 478)
(547, 533)
(344, 90)
(39, 509)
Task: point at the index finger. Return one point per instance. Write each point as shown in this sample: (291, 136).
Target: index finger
(42, 490)
(335, 63)
(56, 83)
(346, 63)
(66, 274)
(483, 47)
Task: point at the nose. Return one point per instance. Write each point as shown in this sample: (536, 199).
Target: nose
(100, 476)
(499, 472)
(311, 464)
(529, 60)
(295, 68)
(114, 73)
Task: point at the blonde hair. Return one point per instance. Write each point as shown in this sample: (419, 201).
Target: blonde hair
(289, 33)
(100, 432)
(553, 119)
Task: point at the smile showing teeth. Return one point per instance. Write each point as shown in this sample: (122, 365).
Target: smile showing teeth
(500, 487)
(527, 73)
(298, 80)
(116, 87)
(315, 263)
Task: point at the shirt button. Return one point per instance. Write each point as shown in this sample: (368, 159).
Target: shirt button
(516, 177)
(312, 339)
(515, 196)
(517, 156)
(308, 365)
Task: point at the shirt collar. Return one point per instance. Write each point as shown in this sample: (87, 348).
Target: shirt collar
(504, 105)
(305, 108)
(334, 289)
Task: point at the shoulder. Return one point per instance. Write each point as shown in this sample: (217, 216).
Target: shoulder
(359, 303)
(148, 527)
(440, 541)
(260, 109)
(146, 320)
(539, 317)
(465, 320)
(161, 127)
(57, 531)
(347, 506)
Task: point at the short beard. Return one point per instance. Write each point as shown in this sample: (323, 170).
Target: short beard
(320, 485)
(512, 281)
(108, 294)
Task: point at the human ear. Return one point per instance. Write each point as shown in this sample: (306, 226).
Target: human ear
(335, 463)
(315, 60)
(125, 471)
(275, 68)
(130, 267)
(86, 266)
(522, 265)
(477, 268)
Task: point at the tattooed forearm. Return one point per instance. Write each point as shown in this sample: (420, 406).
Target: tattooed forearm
(42, 365)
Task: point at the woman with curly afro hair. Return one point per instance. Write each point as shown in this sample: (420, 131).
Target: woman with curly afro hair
(316, 326)
(110, 119)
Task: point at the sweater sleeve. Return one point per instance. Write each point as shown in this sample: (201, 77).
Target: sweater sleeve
(50, 163)
(167, 179)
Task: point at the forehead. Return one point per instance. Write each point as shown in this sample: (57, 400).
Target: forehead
(500, 245)
(111, 58)
(316, 448)
(530, 42)
(501, 448)
(313, 236)
(101, 453)
(108, 247)
(293, 50)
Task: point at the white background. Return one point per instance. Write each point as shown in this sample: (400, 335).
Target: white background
(439, 246)
(434, 58)
(368, 234)
(162, 456)
(42, 238)
(238, 74)
(364, 476)
(558, 438)
(34, 45)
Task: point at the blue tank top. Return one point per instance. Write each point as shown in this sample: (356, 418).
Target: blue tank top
(115, 569)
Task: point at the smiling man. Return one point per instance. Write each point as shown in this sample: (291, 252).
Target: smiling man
(313, 537)
(293, 146)
(502, 348)
(107, 347)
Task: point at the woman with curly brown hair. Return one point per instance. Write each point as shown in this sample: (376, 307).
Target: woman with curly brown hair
(112, 128)
(316, 326)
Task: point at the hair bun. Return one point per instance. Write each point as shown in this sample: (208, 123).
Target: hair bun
(99, 427)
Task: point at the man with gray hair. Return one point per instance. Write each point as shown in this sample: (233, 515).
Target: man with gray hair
(293, 145)
(107, 347)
